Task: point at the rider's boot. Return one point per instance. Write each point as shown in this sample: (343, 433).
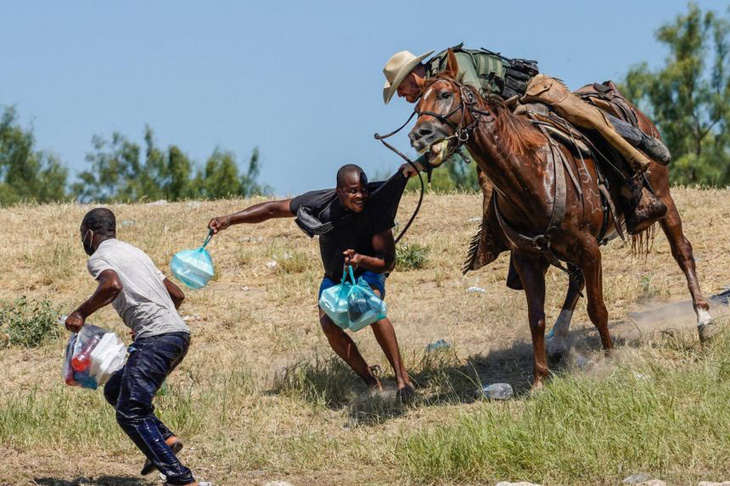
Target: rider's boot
(655, 149)
(647, 212)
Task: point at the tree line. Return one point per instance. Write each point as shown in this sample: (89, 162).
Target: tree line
(687, 97)
(119, 170)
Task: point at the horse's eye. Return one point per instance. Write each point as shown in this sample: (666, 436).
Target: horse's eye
(445, 95)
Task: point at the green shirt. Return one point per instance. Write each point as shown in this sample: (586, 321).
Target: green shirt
(479, 69)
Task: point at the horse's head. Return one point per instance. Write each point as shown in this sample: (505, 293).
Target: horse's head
(444, 114)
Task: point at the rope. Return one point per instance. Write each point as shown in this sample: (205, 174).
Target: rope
(410, 162)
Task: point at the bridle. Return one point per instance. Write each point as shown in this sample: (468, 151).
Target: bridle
(468, 102)
(461, 133)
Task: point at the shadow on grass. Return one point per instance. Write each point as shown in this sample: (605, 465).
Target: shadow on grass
(441, 377)
(100, 481)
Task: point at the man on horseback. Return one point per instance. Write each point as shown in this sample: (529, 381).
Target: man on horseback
(518, 81)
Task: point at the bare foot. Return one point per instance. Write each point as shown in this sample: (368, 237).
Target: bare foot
(175, 444)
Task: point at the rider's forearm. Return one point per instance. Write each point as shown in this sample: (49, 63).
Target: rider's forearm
(262, 212)
(421, 162)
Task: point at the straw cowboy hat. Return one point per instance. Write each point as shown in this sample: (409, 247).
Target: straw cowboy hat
(396, 70)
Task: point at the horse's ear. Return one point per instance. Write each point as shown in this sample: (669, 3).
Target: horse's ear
(452, 66)
(420, 82)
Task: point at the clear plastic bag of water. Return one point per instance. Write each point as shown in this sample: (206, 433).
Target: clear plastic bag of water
(334, 303)
(194, 268)
(352, 304)
(363, 306)
(92, 356)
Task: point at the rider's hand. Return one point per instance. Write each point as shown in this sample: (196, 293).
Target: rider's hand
(352, 258)
(219, 224)
(408, 170)
(75, 321)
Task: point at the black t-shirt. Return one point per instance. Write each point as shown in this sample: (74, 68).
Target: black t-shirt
(351, 230)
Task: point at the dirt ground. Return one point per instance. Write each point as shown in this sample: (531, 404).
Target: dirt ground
(263, 318)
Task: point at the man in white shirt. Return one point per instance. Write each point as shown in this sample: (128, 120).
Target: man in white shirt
(147, 302)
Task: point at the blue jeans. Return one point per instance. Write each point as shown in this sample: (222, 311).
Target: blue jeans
(376, 280)
(131, 390)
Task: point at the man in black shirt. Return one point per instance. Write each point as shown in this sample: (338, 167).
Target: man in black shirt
(355, 229)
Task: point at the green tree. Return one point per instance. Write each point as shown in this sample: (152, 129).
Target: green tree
(115, 171)
(118, 172)
(455, 175)
(689, 97)
(166, 174)
(27, 174)
(220, 178)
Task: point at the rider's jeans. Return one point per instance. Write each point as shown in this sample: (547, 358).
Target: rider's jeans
(131, 390)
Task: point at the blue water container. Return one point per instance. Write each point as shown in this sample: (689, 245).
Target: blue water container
(194, 268)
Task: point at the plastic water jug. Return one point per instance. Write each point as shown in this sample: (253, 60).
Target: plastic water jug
(194, 268)
(334, 302)
(363, 306)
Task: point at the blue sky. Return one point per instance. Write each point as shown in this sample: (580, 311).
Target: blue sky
(300, 80)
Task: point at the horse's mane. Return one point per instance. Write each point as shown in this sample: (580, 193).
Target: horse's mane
(518, 134)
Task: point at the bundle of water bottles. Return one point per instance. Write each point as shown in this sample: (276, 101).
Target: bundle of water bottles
(93, 355)
(352, 304)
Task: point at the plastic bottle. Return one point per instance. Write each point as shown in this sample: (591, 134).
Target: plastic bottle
(85, 380)
(69, 378)
(440, 344)
(498, 391)
(82, 360)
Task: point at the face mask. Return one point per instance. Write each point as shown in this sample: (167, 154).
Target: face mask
(88, 248)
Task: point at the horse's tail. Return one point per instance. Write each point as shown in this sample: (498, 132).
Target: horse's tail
(643, 242)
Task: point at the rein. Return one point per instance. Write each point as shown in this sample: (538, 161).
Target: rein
(410, 162)
(461, 133)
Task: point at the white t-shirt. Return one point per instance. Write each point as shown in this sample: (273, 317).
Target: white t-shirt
(144, 303)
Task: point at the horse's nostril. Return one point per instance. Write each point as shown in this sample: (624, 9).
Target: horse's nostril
(424, 132)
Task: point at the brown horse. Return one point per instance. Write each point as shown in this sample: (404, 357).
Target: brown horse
(546, 216)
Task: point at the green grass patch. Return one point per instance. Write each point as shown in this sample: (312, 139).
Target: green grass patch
(666, 418)
(28, 323)
(411, 256)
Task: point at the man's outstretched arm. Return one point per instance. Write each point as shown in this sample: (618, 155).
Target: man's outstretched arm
(107, 290)
(253, 214)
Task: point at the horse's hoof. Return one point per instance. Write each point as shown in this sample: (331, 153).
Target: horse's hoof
(555, 350)
(555, 359)
(536, 388)
(709, 330)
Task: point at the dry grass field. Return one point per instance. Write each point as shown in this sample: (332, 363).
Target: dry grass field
(260, 397)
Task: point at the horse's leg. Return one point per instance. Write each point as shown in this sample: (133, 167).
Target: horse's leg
(557, 345)
(682, 253)
(590, 264)
(531, 270)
